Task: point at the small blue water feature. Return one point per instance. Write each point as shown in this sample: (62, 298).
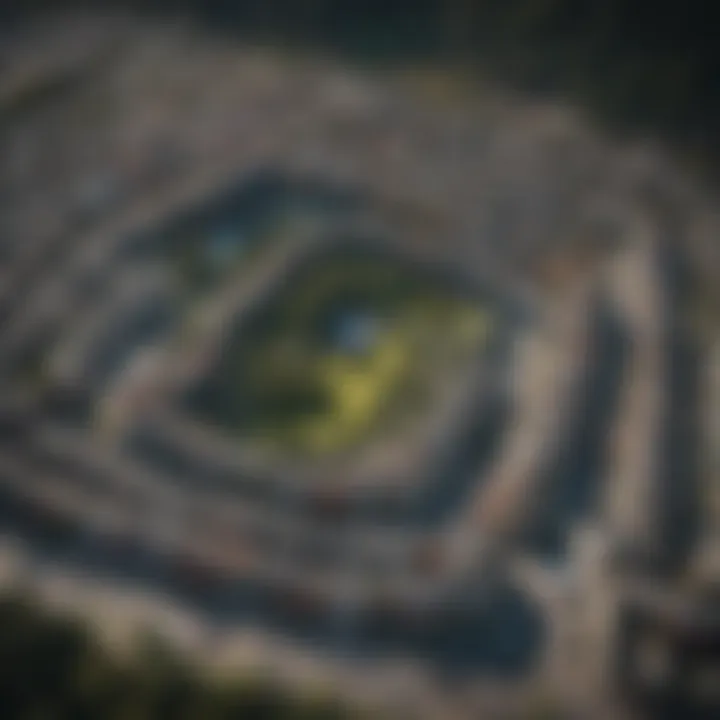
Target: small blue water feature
(224, 245)
(355, 331)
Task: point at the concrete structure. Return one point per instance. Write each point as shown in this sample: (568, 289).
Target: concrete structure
(101, 470)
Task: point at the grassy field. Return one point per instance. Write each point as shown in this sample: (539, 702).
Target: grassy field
(348, 348)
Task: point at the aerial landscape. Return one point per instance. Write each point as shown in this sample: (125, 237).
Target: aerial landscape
(383, 387)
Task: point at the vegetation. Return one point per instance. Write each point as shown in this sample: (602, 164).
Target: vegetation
(648, 66)
(53, 668)
(338, 353)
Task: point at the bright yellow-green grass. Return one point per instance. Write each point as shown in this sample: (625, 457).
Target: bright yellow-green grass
(365, 393)
(284, 383)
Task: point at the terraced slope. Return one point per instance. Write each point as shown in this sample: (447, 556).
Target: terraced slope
(298, 350)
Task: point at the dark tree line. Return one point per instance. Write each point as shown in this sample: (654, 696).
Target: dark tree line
(647, 65)
(52, 667)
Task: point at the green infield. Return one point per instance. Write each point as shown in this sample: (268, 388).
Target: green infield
(351, 346)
